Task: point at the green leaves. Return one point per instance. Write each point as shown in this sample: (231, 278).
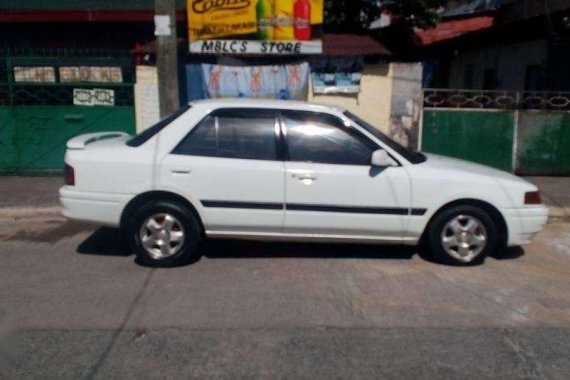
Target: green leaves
(356, 15)
(416, 13)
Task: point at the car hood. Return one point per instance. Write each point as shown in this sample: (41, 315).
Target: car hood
(448, 163)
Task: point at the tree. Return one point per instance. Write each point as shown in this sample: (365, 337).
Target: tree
(356, 15)
(349, 15)
(421, 14)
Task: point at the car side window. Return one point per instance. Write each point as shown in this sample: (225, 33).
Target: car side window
(321, 138)
(201, 141)
(233, 134)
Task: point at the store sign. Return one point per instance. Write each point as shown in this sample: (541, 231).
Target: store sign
(255, 47)
(255, 26)
(93, 97)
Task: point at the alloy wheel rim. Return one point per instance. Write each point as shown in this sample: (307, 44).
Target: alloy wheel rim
(162, 236)
(464, 238)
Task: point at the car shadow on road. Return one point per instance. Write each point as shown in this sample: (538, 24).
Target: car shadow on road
(105, 241)
(111, 242)
(511, 253)
(221, 249)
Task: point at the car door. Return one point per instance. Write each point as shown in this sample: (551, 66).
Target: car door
(331, 187)
(227, 166)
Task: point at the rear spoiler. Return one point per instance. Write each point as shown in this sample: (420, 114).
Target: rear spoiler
(81, 141)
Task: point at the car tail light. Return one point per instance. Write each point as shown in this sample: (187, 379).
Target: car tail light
(69, 175)
(532, 198)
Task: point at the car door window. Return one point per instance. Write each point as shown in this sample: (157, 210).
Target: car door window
(321, 138)
(233, 134)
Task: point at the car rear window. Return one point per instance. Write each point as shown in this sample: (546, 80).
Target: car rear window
(145, 135)
(233, 133)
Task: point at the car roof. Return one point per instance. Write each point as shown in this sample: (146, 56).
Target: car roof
(266, 103)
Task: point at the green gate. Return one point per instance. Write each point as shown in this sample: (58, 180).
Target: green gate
(524, 132)
(543, 143)
(483, 136)
(47, 99)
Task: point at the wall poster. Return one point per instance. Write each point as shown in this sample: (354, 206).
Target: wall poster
(336, 75)
(273, 82)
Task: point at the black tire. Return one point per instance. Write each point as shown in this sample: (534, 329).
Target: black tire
(439, 223)
(188, 224)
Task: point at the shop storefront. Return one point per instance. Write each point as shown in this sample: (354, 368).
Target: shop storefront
(266, 49)
(260, 48)
(68, 68)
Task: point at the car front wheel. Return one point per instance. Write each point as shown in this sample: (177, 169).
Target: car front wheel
(462, 235)
(164, 234)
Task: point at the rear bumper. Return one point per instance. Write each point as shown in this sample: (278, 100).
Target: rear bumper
(524, 223)
(100, 208)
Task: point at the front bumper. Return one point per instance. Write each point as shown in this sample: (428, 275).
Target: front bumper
(524, 223)
(99, 208)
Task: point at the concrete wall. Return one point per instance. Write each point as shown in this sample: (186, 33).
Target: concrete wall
(146, 97)
(406, 103)
(509, 61)
(373, 103)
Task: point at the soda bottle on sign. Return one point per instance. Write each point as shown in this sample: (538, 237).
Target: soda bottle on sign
(264, 12)
(302, 15)
(283, 13)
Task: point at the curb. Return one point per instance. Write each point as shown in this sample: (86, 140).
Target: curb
(558, 214)
(15, 214)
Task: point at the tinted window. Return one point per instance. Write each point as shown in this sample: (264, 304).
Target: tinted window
(201, 141)
(144, 136)
(408, 154)
(233, 134)
(313, 137)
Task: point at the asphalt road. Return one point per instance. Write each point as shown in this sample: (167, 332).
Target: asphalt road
(74, 304)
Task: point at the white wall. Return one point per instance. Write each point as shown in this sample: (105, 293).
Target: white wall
(374, 101)
(147, 110)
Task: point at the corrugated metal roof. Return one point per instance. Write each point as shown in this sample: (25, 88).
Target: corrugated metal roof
(449, 29)
(352, 44)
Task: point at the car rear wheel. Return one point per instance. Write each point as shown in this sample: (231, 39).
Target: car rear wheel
(164, 234)
(462, 235)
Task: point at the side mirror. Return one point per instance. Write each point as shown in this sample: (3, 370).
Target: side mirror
(383, 159)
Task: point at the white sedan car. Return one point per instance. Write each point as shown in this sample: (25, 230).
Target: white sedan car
(283, 170)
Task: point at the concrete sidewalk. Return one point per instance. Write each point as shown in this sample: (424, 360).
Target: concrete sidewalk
(29, 198)
(23, 197)
(29, 192)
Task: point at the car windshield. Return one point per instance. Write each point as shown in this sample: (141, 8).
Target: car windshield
(413, 156)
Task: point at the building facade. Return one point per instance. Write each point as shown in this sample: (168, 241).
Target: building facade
(497, 86)
(69, 67)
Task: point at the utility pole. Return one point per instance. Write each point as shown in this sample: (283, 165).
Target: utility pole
(166, 55)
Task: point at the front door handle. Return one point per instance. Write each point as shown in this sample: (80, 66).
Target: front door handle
(180, 171)
(305, 176)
